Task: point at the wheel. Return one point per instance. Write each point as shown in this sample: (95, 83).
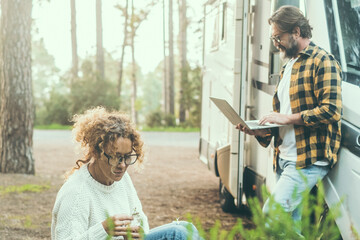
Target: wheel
(226, 199)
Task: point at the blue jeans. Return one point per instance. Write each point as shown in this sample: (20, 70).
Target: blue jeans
(288, 179)
(177, 230)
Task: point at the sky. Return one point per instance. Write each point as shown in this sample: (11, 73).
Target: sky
(52, 20)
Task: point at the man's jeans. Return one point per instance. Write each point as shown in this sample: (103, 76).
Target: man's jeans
(288, 179)
(177, 230)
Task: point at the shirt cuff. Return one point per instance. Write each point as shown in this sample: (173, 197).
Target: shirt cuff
(97, 232)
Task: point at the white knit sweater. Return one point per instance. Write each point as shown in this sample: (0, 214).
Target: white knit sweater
(82, 204)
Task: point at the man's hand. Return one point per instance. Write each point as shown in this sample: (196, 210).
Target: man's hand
(259, 132)
(119, 225)
(282, 119)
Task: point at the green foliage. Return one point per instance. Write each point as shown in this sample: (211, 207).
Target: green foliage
(56, 109)
(58, 98)
(44, 71)
(169, 120)
(91, 91)
(194, 102)
(278, 224)
(158, 119)
(152, 93)
(71, 96)
(23, 188)
(191, 95)
(154, 119)
(45, 79)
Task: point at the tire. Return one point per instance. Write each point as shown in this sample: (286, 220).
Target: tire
(226, 199)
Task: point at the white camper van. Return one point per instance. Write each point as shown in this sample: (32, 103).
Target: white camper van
(241, 66)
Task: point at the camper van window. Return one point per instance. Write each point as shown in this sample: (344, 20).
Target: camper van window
(275, 66)
(214, 25)
(223, 21)
(343, 20)
(279, 3)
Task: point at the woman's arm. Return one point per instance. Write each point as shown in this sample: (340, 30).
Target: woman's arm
(71, 219)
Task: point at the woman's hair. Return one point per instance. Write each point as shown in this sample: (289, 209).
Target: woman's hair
(287, 18)
(98, 129)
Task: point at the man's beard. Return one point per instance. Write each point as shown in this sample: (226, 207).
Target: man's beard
(291, 51)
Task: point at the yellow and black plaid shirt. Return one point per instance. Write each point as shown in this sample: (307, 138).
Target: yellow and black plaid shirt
(315, 93)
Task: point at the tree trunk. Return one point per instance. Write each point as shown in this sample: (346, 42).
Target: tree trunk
(17, 111)
(75, 66)
(171, 60)
(165, 72)
(99, 41)
(183, 58)
(121, 65)
(133, 73)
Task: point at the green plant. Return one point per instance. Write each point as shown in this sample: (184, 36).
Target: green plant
(278, 224)
(170, 120)
(154, 119)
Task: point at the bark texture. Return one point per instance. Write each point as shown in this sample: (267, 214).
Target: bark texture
(183, 58)
(17, 111)
(171, 61)
(100, 66)
(75, 61)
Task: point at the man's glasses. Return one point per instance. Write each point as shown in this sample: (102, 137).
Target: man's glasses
(277, 38)
(128, 159)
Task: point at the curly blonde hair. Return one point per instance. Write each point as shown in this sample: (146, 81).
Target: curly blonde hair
(98, 128)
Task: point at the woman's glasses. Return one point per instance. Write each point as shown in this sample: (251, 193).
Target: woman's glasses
(128, 159)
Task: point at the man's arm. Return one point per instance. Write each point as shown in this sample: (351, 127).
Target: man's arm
(282, 119)
(327, 84)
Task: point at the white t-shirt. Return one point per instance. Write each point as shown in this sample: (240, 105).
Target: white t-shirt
(82, 204)
(286, 133)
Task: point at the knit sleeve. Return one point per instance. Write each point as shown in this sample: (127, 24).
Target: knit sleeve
(135, 203)
(70, 218)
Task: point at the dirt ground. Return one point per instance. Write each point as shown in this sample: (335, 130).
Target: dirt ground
(173, 183)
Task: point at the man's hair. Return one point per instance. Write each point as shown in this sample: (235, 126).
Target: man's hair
(287, 18)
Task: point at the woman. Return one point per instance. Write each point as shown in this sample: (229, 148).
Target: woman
(98, 199)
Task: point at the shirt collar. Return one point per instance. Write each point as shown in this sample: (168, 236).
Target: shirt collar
(308, 50)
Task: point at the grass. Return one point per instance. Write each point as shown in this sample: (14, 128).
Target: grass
(53, 126)
(169, 129)
(23, 188)
(28, 222)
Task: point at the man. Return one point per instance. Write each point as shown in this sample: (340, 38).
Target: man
(308, 102)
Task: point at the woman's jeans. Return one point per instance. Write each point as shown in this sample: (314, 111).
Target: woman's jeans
(177, 230)
(290, 179)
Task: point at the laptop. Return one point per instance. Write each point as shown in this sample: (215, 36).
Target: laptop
(235, 119)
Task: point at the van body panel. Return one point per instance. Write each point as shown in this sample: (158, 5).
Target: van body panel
(241, 65)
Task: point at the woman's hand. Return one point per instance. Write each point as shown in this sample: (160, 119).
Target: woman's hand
(119, 225)
(258, 132)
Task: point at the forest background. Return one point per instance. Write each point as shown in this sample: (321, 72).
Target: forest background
(144, 69)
